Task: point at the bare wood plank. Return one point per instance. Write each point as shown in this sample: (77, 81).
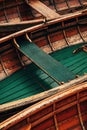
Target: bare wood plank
(19, 25)
(43, 9)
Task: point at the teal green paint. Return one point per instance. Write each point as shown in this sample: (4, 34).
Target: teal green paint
(32, 80)
(45, 62)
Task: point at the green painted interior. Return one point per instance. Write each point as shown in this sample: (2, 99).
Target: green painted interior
(31, 80)
(45, 62)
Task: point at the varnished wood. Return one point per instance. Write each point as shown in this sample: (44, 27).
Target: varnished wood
(43, 9)
(30, 32)
(54, 41)
(25, 16)
(63, 99)
(64, 18)
(79, 112)
(3, 66)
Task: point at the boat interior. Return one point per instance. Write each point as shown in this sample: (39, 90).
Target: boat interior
(62, 40)
(65, 6)
(17, 11)
(17, 15)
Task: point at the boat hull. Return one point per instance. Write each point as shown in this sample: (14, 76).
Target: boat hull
(63, 111)
(60, 38)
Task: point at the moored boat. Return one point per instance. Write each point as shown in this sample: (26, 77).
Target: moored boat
(50, 37)
(63, 111)
(17, 15)
(65, 40)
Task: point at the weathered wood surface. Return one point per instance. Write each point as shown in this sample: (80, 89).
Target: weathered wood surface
(9, 27)
(43, 9)
(23, 13)
(64, 18)
(70, 103)
(42, 26)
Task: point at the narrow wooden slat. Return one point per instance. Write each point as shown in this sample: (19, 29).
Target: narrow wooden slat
(80, 34)
(2, 64)
(18, 11)
(64, 33)
(43, 9)
(79, 112)
(12, 27)
(55, 117)
(5, 12)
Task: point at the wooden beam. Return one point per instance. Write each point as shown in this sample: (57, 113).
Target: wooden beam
(43, 9)
(19, 25)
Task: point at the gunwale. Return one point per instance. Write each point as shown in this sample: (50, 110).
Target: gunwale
(61, 19)
(43, 23)
(75, 15)
(43, 26)
(43, 95)
(50, 101)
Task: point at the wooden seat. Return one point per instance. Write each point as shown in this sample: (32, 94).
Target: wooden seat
(45, 62)
(43, 9)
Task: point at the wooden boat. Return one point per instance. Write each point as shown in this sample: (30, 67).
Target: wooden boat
(66, 110)
(61, 38)
(17, 15)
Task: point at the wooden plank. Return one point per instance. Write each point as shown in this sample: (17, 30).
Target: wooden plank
(8, 27)
(43, 9)
(45, 62)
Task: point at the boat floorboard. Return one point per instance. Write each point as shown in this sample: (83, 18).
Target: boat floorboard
(31, 80)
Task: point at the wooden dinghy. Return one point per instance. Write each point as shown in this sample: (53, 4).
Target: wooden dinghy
(16, 15)
(66, 110)
(37, 73)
